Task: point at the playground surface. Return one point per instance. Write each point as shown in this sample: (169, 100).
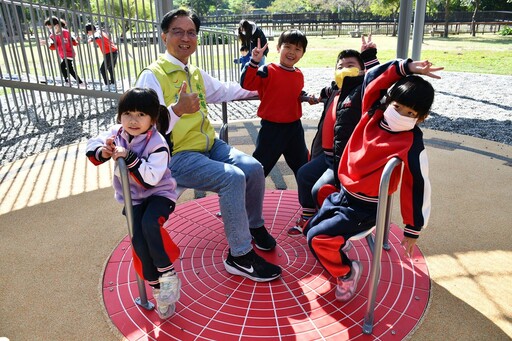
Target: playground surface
(60, 226)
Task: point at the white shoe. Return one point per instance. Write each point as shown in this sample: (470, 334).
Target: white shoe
(113, 87)
(347, 247)
(168, 294)
(82, 86)
(346, 287)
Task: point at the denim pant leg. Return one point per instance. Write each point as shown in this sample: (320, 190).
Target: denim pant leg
(326, 178)
(307, 176)
(254, 179)
(237, 178)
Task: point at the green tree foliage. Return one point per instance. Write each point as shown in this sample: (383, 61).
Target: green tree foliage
(201, 7)
(262, 3)
(240, 6)
(385, 8)
(286, 6)
(496, 5)
(128, 9)
(355, 6)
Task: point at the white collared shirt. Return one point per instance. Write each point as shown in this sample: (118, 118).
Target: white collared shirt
(216, 91)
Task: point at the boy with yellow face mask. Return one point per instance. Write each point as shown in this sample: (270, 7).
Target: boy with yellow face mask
(342, 111)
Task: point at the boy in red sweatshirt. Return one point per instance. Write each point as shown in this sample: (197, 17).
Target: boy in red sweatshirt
(279, 87)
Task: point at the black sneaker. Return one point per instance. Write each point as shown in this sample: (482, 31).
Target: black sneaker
(252, 266)
(262, 239)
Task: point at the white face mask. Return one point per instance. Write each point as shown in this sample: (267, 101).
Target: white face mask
(397, 122)
(339, 75)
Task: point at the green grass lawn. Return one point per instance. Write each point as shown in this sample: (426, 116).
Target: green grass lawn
(489, 53)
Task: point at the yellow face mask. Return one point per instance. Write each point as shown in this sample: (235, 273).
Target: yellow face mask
(339, 75)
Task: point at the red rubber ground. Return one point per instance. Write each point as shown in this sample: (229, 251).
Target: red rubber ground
(215, 305)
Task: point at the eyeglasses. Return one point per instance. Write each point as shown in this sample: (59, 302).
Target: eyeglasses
(178, 32)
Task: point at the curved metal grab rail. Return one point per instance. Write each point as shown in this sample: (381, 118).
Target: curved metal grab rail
(382, 224)
(128, 211)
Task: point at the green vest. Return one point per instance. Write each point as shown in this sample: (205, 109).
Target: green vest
(192, 132)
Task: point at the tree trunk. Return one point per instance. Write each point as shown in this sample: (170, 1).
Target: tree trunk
(473, 20)
(446, 17)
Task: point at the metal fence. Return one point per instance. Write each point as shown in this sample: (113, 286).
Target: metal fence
(39, 111)
(37, 105)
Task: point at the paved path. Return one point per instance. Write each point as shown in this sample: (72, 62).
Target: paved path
(60, 223)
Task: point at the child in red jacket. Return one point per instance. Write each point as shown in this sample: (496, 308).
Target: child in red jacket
(62, 40)
(279, 87)
(385, 131)
(109, 51)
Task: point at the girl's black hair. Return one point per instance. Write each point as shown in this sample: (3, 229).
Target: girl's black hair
(414, 92)
(144, 100)
(245, 32)
(295, 37)
(180, 12)
(52, 21)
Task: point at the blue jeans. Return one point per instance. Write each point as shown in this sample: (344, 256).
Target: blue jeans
(238, 180)
(310, 177)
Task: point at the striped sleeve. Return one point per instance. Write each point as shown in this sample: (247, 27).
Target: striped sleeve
(148, 172)
(415, 193)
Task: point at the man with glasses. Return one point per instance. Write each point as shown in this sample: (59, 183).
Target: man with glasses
(202, 161)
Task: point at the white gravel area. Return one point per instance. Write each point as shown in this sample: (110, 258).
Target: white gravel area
(478, 105)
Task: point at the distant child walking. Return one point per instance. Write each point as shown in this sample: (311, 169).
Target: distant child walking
(63, 41)
(109, 51)
(279, 87)
(385, 131)
(153, 189)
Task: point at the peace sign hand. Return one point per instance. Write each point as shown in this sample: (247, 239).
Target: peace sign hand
(365, 45)
(257, 52)
(424, 67)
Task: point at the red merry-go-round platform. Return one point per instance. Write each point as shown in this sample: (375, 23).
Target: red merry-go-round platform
(300, 305)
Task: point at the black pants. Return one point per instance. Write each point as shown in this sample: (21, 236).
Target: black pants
(150, 241)
(109, 63)
(276, 139)
(66, 66)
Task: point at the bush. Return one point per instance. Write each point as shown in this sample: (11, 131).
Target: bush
(213, 38)
(506, 31)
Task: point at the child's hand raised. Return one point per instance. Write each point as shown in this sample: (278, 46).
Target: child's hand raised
(367, 44)
(257, 52)
(188, 103)
(424, 67)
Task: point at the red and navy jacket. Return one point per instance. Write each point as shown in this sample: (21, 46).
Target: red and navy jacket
(341, 114)
(373, 144)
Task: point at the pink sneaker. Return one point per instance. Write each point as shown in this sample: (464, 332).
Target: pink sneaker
(347, 247)
(346, 288)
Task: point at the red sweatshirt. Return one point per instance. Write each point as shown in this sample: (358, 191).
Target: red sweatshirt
(279, 89)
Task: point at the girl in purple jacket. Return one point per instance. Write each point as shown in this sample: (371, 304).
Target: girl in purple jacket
(153, 190)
